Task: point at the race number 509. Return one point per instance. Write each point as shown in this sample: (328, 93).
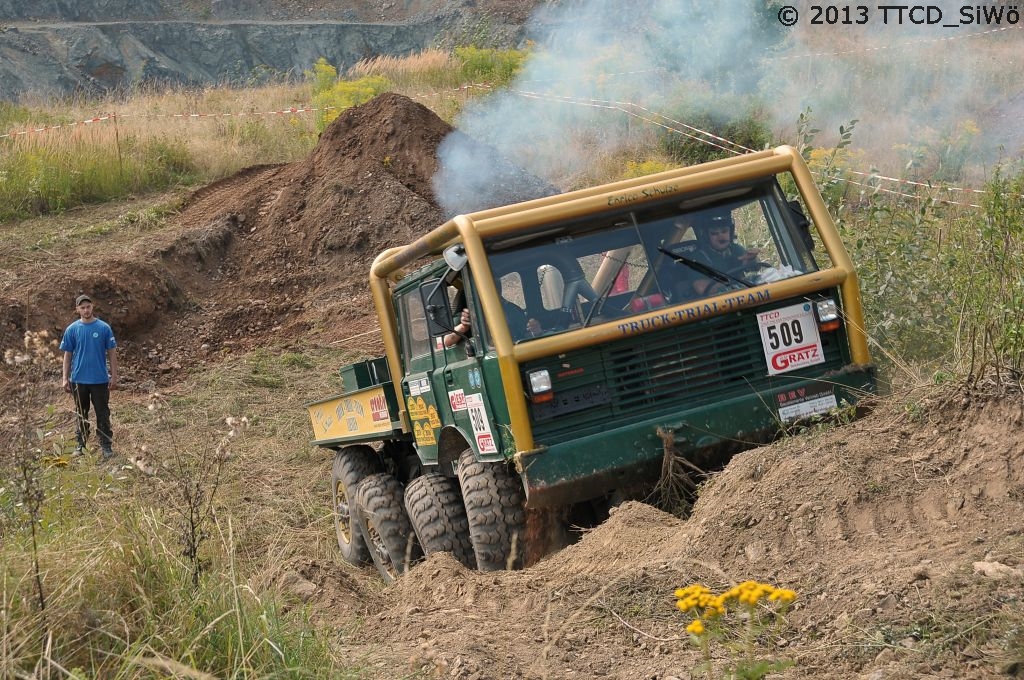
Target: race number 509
(785, 334)
(789, 337)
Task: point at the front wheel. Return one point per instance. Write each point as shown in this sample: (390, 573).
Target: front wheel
(385, 526)
(352, 465)
(495, 509)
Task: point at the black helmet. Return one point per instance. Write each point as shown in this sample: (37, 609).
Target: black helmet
(712, 218)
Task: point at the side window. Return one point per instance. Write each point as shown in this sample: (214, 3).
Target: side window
(512, 289)
(416, 340)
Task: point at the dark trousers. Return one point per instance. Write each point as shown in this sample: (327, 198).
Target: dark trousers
(99, 397)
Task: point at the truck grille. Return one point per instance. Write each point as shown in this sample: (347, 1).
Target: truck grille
(661, 372)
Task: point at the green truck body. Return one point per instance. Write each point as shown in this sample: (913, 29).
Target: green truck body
(606, 334)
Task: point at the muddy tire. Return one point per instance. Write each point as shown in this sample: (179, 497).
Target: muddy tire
(385, 526)
(352, 465)
(494, 501)
(438, 517)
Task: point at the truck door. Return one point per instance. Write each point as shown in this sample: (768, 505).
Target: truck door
(417, 388)
(458, 380)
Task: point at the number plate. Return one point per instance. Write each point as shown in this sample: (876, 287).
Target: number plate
(570, 401)
(790, 338)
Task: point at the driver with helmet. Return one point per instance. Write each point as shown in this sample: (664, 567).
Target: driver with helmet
(716, 247)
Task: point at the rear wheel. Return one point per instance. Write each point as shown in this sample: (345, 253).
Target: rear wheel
(385, 526)
(438, 517)
(352, 465)
(495, 510)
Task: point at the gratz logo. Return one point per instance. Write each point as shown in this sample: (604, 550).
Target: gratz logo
(485, 442)
(797, 355)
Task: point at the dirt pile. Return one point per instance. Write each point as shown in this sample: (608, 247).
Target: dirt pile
(902, 534)
(297, 240)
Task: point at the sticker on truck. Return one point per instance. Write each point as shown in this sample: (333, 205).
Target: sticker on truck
(790, 338)
(481, 428)
(457, 399)
(805, 402)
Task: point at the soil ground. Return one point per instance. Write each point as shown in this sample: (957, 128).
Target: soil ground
(902, 532)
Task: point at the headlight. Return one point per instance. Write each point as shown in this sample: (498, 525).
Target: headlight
(540, 381)
(828, 314)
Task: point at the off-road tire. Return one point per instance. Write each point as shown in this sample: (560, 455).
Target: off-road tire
(438, 517)
(495, 509)
(385, 525)
(352, 464)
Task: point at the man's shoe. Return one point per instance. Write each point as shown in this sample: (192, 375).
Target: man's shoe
(107, 454)
(79, 451)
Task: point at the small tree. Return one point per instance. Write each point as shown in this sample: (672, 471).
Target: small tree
(195, 477)
(24, 462)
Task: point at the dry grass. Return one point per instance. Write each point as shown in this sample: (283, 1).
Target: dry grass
(423, 70)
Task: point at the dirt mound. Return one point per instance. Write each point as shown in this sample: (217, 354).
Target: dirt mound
(907, 522)
(298, 239)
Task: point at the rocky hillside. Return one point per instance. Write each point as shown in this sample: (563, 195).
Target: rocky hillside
(62, 46)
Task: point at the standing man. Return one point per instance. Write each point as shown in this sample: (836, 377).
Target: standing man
(88, 346)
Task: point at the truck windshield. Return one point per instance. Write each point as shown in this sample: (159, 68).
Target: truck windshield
(570, 275)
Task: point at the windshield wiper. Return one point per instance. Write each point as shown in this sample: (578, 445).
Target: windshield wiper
(711, 272)
(598, 304)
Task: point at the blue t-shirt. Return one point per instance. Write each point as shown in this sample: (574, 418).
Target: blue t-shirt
(88, 343)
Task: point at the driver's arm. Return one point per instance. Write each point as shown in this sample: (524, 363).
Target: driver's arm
(461, 330)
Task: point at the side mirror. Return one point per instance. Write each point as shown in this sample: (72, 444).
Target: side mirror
(455, 257)
(435, 303)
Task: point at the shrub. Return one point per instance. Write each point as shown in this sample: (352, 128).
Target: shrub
(332, 96)
(495, 67)
(745, 125)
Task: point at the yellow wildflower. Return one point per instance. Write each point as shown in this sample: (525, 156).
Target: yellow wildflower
(696, 627)
(783, 595)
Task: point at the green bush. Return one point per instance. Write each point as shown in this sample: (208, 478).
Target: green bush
(743, 124)
(332, 96)
(495, 67)
(165, 162)
(941, 283)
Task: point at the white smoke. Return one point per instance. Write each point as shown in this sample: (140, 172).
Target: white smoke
(605, 73)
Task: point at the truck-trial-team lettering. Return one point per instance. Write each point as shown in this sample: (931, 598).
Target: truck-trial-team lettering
(694, 312)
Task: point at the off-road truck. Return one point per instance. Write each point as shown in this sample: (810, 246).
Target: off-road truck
(601, 337)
